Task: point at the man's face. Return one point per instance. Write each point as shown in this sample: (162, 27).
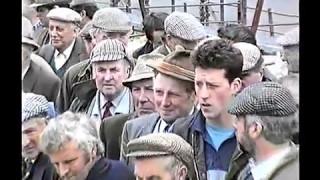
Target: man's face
(62, 34)
(242, 134)
(213, 91)
(157, 37)
(42, 15)
(171, 98)
(70, 161)
(251, 78)
(31, 131)
(143, 97)
(154, 169)
(109, 77)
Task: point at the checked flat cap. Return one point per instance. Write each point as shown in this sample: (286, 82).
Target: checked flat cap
(263, 99)
(184, 26)
(161, 144)
(34, 105)
(251, 55)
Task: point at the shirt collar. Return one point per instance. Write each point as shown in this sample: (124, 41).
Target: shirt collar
(120, 102)
(265, 168)
(66, 52)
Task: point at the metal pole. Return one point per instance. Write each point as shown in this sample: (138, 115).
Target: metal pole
(270, 22)
(185, 7)
(256, 17)
(222, 11)
(173, 8)
(239, 12)
(244, 12)
(128, 6)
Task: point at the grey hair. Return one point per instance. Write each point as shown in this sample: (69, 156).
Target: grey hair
(291, 55)
(69, 127)
(174, 165)
(276, 130)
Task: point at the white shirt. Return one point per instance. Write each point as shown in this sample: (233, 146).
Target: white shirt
(263, 170)
(60, 58)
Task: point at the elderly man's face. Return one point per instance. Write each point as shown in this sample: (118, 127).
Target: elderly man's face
(242, 134)
(214, 92)
(171, 98)
(31, 131)
(109, 77)
(251, 78)
(157, 168)
(143, 97)
(70, 161)
(62, 34)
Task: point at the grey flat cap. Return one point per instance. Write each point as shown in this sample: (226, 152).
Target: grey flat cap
(250, 53)
(34, 105)
(111, 20)
(80, 2)
(263, 99)
(38, 3)
(290, 38)
(64, 14)
(108, 50)
(86, 29)
(141, 70)
(160, 144)
(184, 26)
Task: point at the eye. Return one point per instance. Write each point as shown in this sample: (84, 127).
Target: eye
(159, 92)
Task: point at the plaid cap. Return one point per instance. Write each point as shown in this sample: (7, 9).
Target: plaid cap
(80, 2)
(34, 105)
(141, 70)
(184, 26)
(263, 99)
(290, 38)
(39, 3)
(250, 53)
(161, 144)
(111, 20)
(64, 14)
(108, 50)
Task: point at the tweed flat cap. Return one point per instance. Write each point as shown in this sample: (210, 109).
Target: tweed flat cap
(111, 20)
(290, 38)
(64, 14)
(34, 105)
(184, 26)
(263, 99)
(141, 70)
(38, 3)
(27, 32)
(160, 144)
(250, 53)
(86, 29)
(108, 50)
(80, 2)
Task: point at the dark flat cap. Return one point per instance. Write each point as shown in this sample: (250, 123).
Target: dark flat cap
(263, 99)
(160, 144)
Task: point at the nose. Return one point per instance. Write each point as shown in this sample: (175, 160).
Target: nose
(108, 76)
(165, 101)
(143, 98)
(25, 140)
(63, 170)
(203, 94)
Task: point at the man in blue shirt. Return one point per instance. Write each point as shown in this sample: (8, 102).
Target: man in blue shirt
(218, 68)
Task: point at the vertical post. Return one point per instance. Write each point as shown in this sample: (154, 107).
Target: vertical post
(244, 12)
(239, 12)
(256, 17)
(222, 12)
(184, 7)
(173, 8)
(207, 13)
(129, 6)
(146, 2)
(270, 22)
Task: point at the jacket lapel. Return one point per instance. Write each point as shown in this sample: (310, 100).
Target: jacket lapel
(149, 125)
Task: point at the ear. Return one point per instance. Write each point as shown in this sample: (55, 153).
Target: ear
(255, 130)
(182, 173)
(236, 85)
(83, 13)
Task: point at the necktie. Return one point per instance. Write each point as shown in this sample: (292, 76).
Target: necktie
(107, 112)
(166, 128)
(26, 169)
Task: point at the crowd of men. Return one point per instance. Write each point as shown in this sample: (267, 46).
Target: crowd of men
(184, 105)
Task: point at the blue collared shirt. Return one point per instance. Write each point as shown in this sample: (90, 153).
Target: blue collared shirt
(217, 161)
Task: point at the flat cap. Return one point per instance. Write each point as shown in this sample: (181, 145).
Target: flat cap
(80, 2)
(39, 3)
(108, 50)
(263, 99)
(251, 55)
(141, 70)
(86, 29)
(161, 144)
(34, 105)
(184, 26)
(64, 14)
(290, 38)
(111, 19)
